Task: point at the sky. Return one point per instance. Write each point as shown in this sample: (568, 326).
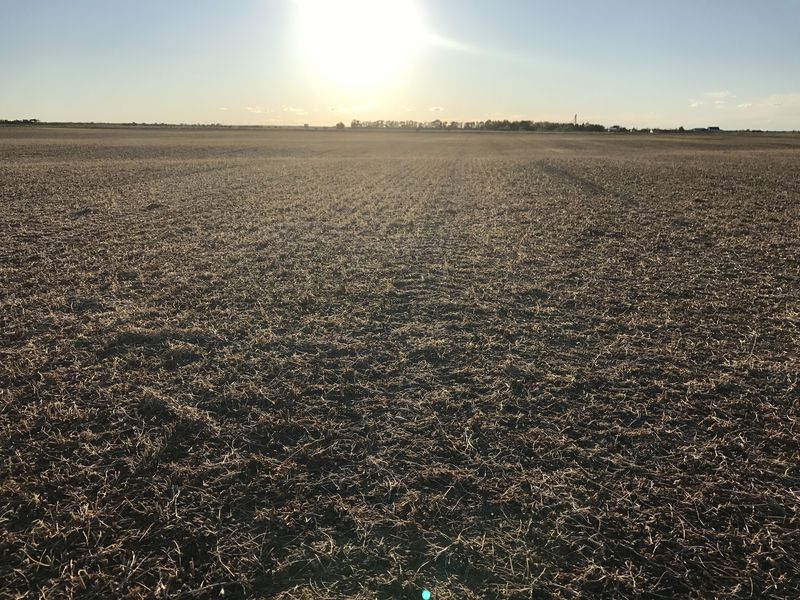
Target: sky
(637, 63)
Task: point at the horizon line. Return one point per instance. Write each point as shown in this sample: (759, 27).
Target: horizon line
(420, 125)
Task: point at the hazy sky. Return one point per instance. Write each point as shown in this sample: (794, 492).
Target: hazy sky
(731, 63)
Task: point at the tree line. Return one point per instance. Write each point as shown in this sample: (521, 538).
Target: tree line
(488, 125)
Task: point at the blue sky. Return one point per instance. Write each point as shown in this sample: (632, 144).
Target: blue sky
(642, 63)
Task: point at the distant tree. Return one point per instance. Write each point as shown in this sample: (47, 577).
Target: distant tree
(504, 125)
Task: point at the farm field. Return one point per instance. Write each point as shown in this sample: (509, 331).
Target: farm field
(342, 364)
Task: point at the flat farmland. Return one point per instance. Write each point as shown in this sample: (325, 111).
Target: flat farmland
(298, 364)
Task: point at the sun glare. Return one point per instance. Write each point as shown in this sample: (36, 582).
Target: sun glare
(359, 43)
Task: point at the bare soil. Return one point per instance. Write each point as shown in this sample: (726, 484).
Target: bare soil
(287, 364)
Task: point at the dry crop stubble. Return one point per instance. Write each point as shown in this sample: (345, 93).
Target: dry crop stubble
(292, 364)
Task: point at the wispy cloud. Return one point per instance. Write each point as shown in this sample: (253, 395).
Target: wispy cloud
(695, 103)
(770, 111)
(720, 99)
(223, 108)
(355, 108)
(719, 95)
(436, 109)
(789, 101)
(295, 111)
(256, 109)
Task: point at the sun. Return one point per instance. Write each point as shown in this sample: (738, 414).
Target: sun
(359, 43)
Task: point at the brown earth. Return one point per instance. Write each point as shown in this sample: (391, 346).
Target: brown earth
(353, 364)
